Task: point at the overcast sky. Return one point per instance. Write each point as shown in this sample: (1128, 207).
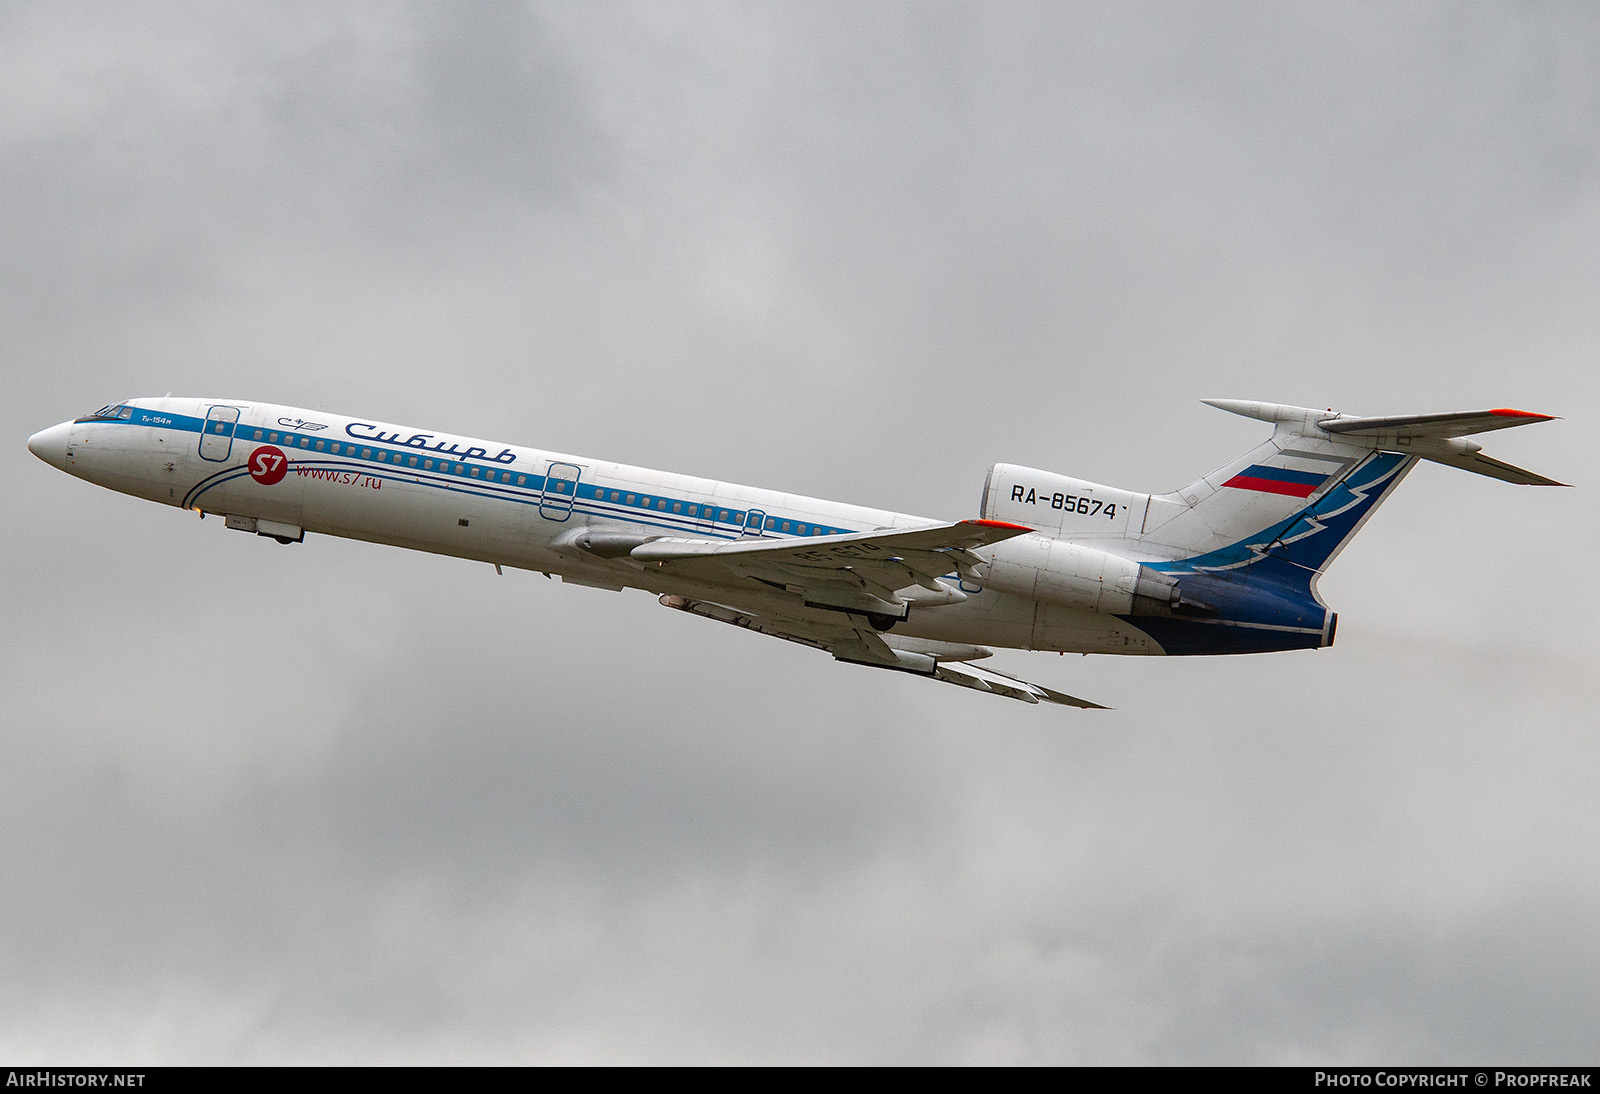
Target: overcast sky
(343, 803)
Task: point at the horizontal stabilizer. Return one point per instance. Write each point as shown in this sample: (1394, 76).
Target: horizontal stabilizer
(1432, 425)
(1440, 438)
(1436, 437)
(1480, 464)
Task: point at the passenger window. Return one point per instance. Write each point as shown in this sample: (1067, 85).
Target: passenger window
(304, 443)
(258, 434)
(412, 461)
(273, 437)
(319, 446)
(677, 507)
(474, 472)
(366, 453)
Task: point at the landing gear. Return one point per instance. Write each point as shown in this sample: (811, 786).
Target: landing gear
(880, 621)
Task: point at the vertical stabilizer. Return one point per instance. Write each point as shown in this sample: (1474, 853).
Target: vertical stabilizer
(1247, 543)
(1265, 492)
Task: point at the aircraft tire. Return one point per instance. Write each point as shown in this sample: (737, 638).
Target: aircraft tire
(880, 621)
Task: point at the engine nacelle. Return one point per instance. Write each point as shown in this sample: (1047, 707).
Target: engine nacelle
(1059, 571)
(1076, 507)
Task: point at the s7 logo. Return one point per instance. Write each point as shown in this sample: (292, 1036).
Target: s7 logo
(268, 465)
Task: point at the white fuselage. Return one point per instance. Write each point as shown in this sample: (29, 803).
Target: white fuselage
(283, 471)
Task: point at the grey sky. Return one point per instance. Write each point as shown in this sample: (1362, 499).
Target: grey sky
(344, 803)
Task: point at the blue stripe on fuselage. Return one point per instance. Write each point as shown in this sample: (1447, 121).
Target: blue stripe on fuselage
(490, 480)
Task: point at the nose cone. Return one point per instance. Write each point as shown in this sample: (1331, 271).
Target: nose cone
(50, 445)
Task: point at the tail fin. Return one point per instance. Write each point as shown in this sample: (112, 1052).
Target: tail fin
(1248, 542)
(1302, 494)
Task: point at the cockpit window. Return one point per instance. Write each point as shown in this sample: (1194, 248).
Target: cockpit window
(114, 412)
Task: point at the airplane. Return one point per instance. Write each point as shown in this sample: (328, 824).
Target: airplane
(1228, 564)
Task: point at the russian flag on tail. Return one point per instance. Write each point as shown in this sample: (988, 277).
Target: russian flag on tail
(1277, 480)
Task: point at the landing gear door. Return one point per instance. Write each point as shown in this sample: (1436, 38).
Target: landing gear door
(560, 488)
(216, 439)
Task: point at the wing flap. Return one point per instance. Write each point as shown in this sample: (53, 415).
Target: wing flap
(999, 683)
(859, 646)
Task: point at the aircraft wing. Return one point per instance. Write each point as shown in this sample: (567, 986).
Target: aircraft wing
(943, 661)
(858, 572)
(855, 570)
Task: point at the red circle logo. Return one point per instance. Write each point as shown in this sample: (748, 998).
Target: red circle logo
(268, 465)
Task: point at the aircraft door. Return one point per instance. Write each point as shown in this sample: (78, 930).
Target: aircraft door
(216, 438)
(754, 521)
(560, 488)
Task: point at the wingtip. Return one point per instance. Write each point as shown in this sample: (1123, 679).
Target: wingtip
(1507, 412)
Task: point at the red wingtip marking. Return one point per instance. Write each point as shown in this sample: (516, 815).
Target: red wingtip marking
(1507, 413)
(998, 524)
